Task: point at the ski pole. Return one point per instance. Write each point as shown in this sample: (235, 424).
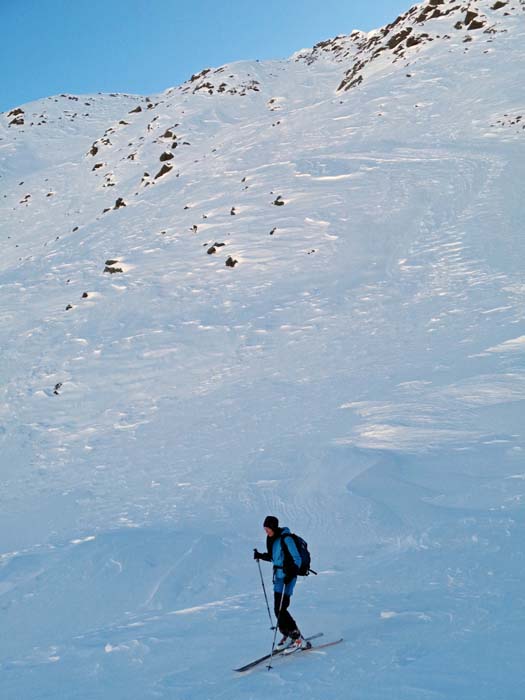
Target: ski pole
(265, 596)
(276, 628)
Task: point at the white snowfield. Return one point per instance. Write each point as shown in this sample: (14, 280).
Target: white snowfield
(292, 288)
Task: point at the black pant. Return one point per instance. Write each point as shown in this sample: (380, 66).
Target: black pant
(287, 625)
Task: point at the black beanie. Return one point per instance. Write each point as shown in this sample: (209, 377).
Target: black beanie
(272, 522)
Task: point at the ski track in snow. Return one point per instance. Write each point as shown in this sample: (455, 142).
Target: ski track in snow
(358, 372)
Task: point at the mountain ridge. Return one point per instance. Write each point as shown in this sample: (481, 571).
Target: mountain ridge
(468, 17)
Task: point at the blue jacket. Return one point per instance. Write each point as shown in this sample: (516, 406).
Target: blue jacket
(283, 558)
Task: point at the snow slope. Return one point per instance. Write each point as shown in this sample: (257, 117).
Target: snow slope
(291, 287)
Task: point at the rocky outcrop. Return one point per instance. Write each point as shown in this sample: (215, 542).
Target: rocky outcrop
(166, 168)
(207, 82)
(403, 34)
(18, 117)
(111, 267)
(338, 49)
(213, 249)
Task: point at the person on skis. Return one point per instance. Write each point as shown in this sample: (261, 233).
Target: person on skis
(281, 550)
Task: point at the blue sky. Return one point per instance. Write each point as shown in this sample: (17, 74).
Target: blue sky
(145, 46)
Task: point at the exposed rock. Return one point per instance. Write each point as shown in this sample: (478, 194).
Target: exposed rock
(198, 76)
(163, 171)
(68, 307)
(232, 211)
(398, 38)
(431, 11)
(213, 248)
(415, 39)
(119, 203)
(204, 86)
(476, 24)
(353, 77)
(166, 156)
(279, 201)
(203, 81)
(339, 48)
(400, 35)
(230, 262)
(110, 267)
(137, 109)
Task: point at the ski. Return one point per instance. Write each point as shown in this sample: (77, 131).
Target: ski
(252, 664)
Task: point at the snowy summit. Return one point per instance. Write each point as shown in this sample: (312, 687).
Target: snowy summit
(291, 287)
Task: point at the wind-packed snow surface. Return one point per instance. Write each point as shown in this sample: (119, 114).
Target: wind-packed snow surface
(291, 288)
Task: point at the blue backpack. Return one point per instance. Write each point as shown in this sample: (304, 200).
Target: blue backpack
(302, 548)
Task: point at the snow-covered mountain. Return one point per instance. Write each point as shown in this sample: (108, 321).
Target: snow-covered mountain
(291, 287)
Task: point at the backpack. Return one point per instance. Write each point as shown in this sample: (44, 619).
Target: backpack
(302, 548)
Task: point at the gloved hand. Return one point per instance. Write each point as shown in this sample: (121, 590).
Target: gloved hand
(256, 555)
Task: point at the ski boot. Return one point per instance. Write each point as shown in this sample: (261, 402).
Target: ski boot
(299, 644)
(284, 643)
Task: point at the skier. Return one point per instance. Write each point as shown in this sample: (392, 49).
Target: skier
(281, 550)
